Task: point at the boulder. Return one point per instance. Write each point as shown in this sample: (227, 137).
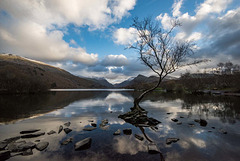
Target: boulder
(171, 140)
(127, 131)
(65, 142)
(139, 137)
(89, 128)
(169, 113)
(5, 154)
(152, 148)
(67, 130)
(83, 144)
(51, 132)
(94, 125)
(29, 131)
(42, 145)
(37, 134)
(118, 132)
(105, 127)
(60, 129)
(67, 124)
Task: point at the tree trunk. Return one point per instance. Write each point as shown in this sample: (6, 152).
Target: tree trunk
(138, 99)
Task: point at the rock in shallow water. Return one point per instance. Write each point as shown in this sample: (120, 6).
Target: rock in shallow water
(67, 130)
(127, 131)
(94, 125)
(118, 132)
(65, 142)
(29, 131)
(152, 148)
(171, 140)
(37, 134)
(4, 155)
(42, 145)
(27, 152)
(89, 128)
(174, 120)
(60, 129)
(83, 144)
(67, 124)
(139, 137)
(51, 132)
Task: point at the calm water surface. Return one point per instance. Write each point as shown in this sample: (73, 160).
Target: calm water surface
(49, 111)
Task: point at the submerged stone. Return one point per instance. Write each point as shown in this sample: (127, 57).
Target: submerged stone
(67, 130)
(29, 131)
(37, 134)
(5, 154)
(118, 132)
(42, 145)
(171, 140)
(60, 129)
(67, 124)
(169, 113)
(127, 131)
(179, 123)
(139, 137)
(83, 144)
(65, 142)
(152, 148)
(51, 132)
(89, 128)
(181, 117)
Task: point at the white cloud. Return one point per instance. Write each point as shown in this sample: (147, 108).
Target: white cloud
(115, 60)
(35, 29)
(125, 36)
(176, 8)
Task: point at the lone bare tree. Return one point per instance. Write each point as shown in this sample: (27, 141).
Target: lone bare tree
(159, 50)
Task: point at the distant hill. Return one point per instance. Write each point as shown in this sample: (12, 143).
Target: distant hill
(102, 81)
(22, 75)
(141, 82)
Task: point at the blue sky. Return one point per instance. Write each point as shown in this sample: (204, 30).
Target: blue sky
(88, 38)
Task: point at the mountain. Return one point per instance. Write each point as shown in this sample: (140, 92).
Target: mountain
(102, 81)
(141, 82)
(22, 75)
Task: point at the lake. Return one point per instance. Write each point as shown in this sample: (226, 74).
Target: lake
(219, 140)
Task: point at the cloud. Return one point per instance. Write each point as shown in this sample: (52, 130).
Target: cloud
(115, 60)
(35, 29)
(176, 8)
(125, 36)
